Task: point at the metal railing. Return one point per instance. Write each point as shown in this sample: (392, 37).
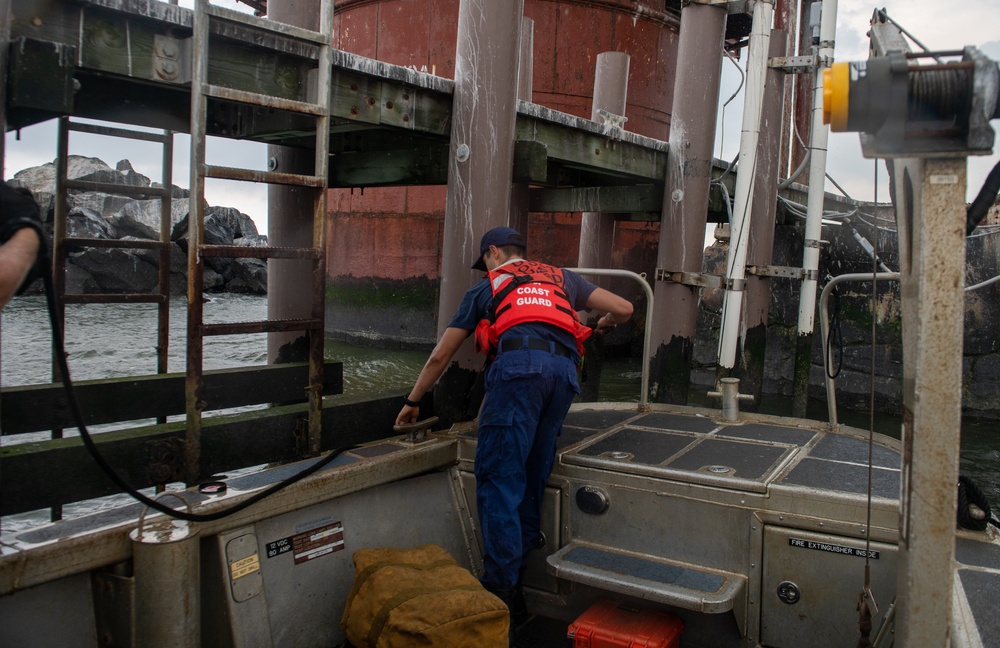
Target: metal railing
(647, 334)
(831, 395)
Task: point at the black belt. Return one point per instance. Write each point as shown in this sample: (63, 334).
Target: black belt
(515, 343)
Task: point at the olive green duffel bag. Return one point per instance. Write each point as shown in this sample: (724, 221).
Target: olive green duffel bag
(408, 598)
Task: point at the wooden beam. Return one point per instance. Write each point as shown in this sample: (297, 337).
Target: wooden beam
(44, 407)
(416, 166)
(530, 162)
(573, 141)
(640, 198)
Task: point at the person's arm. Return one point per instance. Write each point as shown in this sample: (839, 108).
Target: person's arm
(438, 361)
(17, 256)
(618, 309)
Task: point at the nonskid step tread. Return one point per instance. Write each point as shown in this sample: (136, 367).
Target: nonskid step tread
(663, 581)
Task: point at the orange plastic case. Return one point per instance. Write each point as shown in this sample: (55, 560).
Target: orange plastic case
(608, 624)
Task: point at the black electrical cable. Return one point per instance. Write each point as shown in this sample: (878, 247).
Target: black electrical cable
(984, 200)
(88, 442)
(835, 333)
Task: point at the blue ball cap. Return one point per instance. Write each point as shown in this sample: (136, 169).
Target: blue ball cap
(498, 236)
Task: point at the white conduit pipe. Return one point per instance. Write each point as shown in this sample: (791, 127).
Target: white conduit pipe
(817, 173)
(732, 307)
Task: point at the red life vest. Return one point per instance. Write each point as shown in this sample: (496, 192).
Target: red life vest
(527, 291)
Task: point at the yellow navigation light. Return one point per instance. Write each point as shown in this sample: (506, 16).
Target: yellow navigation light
(836, 96)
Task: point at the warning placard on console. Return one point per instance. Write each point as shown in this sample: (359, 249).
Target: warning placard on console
(318, 542)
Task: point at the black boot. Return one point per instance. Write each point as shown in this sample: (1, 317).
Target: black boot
(518, 606)
(506, 595)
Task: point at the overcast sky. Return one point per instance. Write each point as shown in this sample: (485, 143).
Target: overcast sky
(938, 25)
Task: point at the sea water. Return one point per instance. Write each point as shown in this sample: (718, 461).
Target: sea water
(115, 340)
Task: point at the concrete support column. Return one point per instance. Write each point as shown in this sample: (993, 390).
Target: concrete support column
(685, 201)
(290, 220)
(930, 212)
(479, 169)
(610, 95)
(519, 191)
(597, 230)
(750, 356)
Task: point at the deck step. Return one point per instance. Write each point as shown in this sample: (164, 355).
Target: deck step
(653, 579)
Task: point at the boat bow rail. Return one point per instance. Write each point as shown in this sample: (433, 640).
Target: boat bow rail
(77, 546)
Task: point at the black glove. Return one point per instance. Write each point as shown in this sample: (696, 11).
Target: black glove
(18, 210)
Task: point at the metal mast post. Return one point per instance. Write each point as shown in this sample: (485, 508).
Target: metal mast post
(479, 167)
(686, 192)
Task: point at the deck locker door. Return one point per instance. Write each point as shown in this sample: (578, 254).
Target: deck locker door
(811, 584)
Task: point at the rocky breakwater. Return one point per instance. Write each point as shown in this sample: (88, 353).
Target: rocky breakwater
(112, 216)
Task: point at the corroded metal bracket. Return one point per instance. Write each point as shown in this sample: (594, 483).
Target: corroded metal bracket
(793, 64)
(785, 272)
(696, 279)
(166, 461)
(701, 280)
(171, 59)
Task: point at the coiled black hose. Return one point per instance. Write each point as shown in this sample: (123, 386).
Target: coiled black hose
(88, 442)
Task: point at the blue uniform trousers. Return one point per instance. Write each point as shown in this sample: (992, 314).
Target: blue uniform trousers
(528, 393)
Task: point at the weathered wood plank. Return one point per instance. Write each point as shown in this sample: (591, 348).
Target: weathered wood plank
(593, 151)
(639, 198)
(154, 454)
(416, 166)
(530, 163)
(44, 407)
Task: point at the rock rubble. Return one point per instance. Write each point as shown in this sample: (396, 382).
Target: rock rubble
(99, 215)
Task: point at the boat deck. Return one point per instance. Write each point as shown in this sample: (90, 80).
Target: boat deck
(741, 455)
(796, 475)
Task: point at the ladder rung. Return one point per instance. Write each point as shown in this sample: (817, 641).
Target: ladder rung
(125, 133)
(270, 177)
(118, 189)
(267, 101)
(265, 326)
(289, 31)
(239, 252)
(126, 244)
(114, 298)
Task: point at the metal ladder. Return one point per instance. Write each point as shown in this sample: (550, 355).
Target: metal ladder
(63, 244)
(201, 91)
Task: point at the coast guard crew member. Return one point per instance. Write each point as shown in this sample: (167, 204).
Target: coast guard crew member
(20, 241)
(523, 313)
